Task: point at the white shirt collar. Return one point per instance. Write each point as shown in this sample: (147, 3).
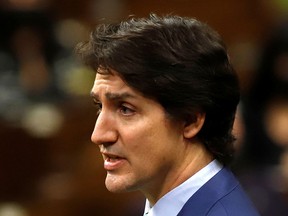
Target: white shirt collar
(172, 202)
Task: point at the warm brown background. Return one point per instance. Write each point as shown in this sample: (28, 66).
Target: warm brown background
(62, 175)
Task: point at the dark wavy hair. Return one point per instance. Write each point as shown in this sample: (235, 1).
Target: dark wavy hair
(181, 63)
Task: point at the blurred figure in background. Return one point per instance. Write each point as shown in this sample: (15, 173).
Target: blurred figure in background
(265, 112)
(29, 43)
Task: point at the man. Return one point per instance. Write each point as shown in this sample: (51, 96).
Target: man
(166, 96)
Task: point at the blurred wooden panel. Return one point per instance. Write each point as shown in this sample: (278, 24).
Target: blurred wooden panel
(232, 18)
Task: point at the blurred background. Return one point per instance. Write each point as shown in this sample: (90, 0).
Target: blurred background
(48, 165)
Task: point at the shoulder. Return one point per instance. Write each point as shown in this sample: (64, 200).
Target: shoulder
(235, 203)
(222, 195)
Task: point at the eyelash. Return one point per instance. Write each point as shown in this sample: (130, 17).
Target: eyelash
(124, 109)
(98, 106)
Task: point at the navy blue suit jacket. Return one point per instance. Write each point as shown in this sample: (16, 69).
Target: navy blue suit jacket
(222, 195)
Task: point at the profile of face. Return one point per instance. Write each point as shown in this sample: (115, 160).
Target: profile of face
(141, 146)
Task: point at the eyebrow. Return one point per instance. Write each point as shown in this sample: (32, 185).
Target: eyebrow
(113, 96)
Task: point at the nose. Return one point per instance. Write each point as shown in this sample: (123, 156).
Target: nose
(104, 132)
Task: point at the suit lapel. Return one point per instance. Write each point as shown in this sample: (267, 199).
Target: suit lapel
(217, 187)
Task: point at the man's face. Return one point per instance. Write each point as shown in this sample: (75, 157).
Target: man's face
(142, 149)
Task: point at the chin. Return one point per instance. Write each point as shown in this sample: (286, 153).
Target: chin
(115, 189)
(117, 184)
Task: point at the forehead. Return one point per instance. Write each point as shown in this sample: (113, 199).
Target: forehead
(112, 87)
(109, 80)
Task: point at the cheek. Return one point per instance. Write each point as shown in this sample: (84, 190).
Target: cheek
(138, 141)
(149, 142)
(146, 136)
(150, 145)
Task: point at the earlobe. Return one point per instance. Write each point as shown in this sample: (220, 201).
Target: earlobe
(191, 128)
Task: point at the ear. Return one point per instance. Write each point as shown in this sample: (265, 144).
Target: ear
(193, 126)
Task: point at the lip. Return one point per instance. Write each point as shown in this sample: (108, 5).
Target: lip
(112, 161)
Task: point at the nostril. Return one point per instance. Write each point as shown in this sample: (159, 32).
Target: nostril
(106, 144)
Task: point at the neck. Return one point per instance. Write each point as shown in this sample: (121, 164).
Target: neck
(194, 158)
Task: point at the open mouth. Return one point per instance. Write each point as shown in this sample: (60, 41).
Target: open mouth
(112, 162)
(112, 159)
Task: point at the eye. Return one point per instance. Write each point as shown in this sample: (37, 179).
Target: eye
(98, 105)
(126, 110)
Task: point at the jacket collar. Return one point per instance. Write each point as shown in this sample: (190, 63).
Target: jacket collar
(217, 187)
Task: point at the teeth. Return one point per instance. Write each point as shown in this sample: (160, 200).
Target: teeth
(113, 159)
